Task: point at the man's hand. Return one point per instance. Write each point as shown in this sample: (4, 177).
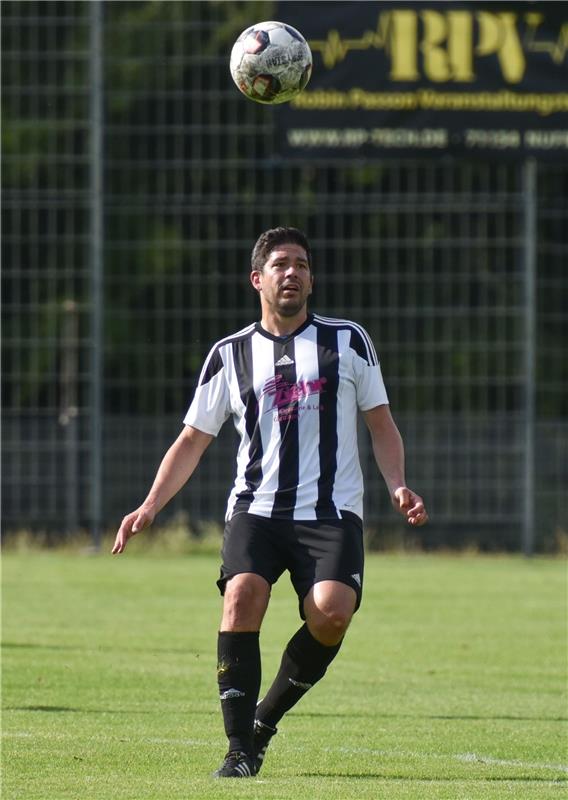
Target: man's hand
(176, 468)
(410, 505)
(132, 524)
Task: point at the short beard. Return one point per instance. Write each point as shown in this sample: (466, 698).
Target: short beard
(291, 310)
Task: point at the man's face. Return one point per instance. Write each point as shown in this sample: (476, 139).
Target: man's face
(285, 282)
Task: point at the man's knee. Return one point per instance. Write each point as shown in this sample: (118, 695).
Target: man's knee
(244, 603)
(328, 628)
(329, 608)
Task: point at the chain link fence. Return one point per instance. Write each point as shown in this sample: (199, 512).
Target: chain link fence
(136, 179)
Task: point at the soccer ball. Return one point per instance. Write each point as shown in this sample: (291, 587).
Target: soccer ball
(271, 62)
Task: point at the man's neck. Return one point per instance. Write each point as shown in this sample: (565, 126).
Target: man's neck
(283, 326)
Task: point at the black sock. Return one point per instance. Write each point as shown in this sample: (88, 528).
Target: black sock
(238, 676)
(304, 662)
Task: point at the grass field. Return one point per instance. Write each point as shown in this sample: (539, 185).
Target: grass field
(451, 684)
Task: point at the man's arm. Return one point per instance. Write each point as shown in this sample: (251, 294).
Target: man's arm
(175, 470)
(388, 450)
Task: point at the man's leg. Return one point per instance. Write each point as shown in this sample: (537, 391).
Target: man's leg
(326, 562)
(328, 609)
(239, 669)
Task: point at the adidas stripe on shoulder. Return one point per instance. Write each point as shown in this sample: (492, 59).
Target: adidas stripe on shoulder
(372, 357)
(214, 362)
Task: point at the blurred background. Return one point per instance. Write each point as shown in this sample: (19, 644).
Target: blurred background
(136, 179)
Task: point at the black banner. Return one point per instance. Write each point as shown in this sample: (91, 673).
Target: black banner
(487, 79)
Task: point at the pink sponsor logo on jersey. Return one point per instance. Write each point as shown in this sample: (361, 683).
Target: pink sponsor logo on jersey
(282, 393)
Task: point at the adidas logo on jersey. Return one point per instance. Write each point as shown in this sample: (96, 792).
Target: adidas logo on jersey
(357, 578)
(285, 361)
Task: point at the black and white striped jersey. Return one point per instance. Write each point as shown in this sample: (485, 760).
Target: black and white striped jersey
(294, 402)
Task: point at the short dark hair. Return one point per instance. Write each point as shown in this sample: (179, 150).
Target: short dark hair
(268, 240)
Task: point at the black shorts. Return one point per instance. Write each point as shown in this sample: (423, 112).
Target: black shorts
(312, 551)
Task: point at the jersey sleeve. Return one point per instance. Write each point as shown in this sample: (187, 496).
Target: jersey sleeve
(370, 387)
(210, 406)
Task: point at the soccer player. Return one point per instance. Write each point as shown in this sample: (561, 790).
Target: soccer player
(294, 384)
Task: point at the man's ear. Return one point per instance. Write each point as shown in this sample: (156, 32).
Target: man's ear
(255, 279)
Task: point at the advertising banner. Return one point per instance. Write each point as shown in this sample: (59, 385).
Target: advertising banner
(484, 79)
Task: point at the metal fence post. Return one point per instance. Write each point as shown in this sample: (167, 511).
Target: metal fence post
(529, 277)
(96, 241)
(69, 410)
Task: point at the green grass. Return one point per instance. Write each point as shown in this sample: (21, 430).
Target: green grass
(451, 683)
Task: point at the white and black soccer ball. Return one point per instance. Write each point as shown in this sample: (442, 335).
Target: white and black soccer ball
(271, 62)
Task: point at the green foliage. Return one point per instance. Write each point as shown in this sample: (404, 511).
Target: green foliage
(451, 683)
(169, 115)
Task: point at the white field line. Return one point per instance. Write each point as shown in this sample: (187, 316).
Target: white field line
(464, 757)
(146, 739)
(508, 763)
(474, 758)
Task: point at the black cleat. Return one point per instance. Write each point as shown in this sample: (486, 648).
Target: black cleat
(261, 738)
(236, 765)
